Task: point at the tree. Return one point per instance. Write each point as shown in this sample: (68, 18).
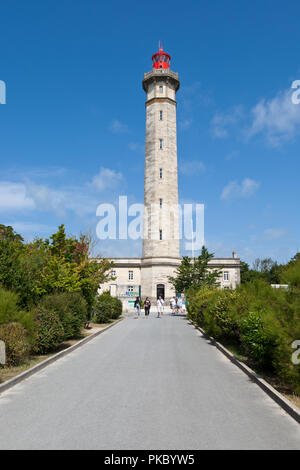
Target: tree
(57, 264)
(195, 273)
(264, 269)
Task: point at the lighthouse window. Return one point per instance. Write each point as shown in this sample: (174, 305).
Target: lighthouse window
(160, 203)
(160, 115)
(160, 172)
(160, 234)
(160, 143)
(160, 89)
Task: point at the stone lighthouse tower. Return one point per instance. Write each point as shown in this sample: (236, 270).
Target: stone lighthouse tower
(161, 227)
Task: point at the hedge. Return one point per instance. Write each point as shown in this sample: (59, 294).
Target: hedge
(262, 322)
(107, 308)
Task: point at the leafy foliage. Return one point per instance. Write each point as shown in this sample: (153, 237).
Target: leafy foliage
(16, 342)
(195, 273)
(261, 321)
(49, 332)
(263, 269)
(10, 311)
(107, 308)
(57, 264)
(71, 308)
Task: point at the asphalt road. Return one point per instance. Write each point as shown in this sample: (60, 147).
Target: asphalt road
(144, 384)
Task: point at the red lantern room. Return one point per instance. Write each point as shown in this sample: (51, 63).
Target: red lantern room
(161, 60)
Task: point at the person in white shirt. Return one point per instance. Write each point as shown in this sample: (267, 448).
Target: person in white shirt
(179, 305)
(173, 305)
(160, 306)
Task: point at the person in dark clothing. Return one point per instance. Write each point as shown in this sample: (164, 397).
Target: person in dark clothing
(137, 307)
(147, 305)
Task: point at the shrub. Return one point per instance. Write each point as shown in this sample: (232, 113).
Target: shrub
(258, 341)
(117, 308)
(107, 308)
(263, 321)
(16, 342)
(71, 308)
(197, 303)
(49, 331)
(10, 312)
(221, 316)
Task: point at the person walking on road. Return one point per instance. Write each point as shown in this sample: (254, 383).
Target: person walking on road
(160, 306)
(147, 305)
(179, 305)
(137, 307)
(173, 305)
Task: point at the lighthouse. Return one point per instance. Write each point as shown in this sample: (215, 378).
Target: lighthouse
(161, 225)
(148, 276)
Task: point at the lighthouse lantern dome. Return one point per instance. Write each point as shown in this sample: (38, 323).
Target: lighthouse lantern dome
(161, 60)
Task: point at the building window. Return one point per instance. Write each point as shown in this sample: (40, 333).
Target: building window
(160, 203)
(160, 234)
(160, 88)
(160, 143)
(226, 276)
(130, 288)
(130, 275)
(113, 273)
(160, 115)
(160, 172)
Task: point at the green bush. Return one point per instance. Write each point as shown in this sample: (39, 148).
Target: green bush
(197, 304)
(263, 322)
(11, 313)
(71, 308)
(49, 331)
(257, 340)
(107, 308)
(16, 342)
(221, 316)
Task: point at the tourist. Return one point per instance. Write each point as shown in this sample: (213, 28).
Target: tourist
(179, 305)
(137, 307)
(173, 305)
(147, 305)
(160, 306)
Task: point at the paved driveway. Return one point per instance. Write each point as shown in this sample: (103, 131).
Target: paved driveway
(144, 384)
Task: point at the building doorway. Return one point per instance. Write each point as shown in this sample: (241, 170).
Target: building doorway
(160, 290)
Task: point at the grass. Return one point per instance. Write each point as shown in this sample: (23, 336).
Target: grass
(274, 381)
(7, 373)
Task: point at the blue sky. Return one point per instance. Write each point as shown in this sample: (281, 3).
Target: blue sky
(72, 129)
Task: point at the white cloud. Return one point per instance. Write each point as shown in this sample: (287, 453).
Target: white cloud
(118, 127)
(273, 233)
(14, 196)
(185, 124)
(135, 146)
(192, 167)
(232, 155)
(106, 179)
(79, 199)
(235, 190)
(28, 227)
(278, 119)
(221, 122)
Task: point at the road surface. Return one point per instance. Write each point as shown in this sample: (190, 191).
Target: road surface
(144, 384)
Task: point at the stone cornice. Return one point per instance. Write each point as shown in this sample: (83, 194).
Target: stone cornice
(160, 100)
(158, 75)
